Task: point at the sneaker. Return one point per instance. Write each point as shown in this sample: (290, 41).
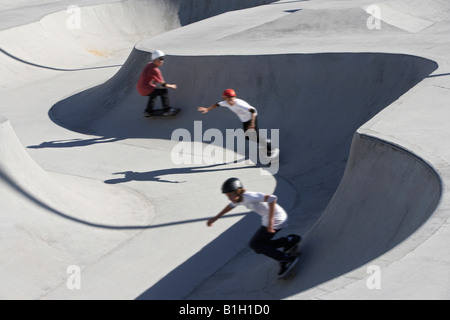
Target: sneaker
(293, 243)
(287, 265)
(147, 114)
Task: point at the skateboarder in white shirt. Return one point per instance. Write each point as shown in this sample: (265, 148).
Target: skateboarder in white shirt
(274, 219)
(246, 113)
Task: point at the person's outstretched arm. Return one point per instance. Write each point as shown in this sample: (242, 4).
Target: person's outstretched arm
(227, 209)
(205, 110)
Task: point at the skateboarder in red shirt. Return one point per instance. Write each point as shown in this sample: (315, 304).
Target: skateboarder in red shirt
(151, 83)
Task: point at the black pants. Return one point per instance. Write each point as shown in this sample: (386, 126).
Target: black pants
(164, 94)
(262, 243)
(247, 124)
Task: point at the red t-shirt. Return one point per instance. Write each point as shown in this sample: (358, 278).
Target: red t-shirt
(150, 74)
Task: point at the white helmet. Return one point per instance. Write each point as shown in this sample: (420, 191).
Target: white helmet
(157, 54)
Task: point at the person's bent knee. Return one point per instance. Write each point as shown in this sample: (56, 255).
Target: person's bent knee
(255, 246)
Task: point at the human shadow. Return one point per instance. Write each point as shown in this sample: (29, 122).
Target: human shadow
(33, 199)
(157, 175)
(73, 143)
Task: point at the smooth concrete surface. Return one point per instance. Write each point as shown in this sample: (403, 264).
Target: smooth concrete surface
(358, 91)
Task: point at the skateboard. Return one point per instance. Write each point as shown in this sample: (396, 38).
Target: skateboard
(159, 113)
(290, 270)
(297, 254)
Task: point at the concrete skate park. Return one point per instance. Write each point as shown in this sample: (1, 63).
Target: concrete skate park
(94, 207)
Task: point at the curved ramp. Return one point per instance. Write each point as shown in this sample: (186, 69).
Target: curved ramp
(317, 114)
(53, 219)
(385, 196)
(77, 38)
(49, 221)
(360, 192)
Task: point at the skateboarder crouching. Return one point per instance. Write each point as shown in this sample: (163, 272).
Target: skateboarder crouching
(246, 113)
(274, 219)
(151, 83)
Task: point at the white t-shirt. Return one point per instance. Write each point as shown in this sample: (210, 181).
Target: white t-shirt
(255, 202)
(240, 108)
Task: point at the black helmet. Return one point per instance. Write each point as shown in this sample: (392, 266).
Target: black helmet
(231, 185)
